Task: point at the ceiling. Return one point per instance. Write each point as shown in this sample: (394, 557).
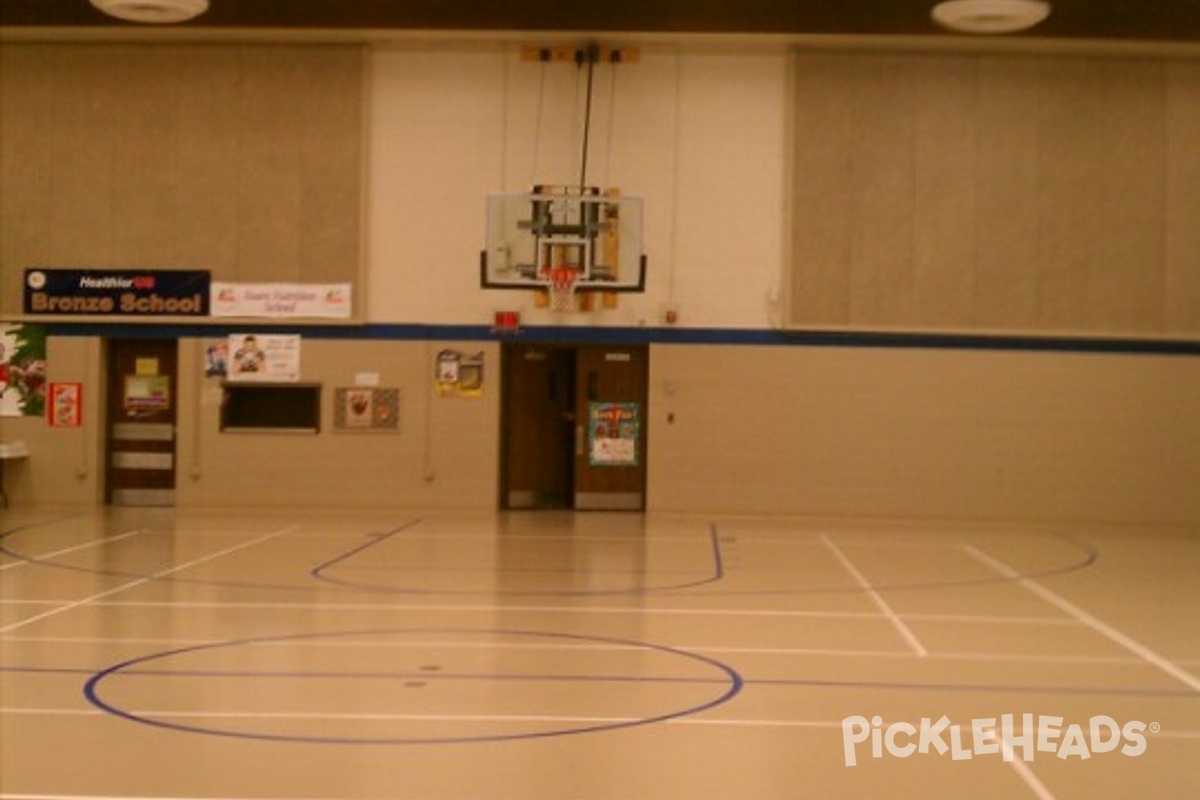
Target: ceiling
(1131, 21)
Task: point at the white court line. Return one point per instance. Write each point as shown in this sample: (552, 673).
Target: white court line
(140, 581)
(897, 623)
(32, 560)
(1101, 627)
(640, 611)
(733, 722)
(319, 644)
(1025, 773)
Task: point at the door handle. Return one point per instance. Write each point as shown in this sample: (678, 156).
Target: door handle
(579, 440)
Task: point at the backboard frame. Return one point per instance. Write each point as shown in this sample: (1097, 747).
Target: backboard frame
(532, 235)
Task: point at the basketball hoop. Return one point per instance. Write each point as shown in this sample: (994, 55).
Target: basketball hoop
(561, 287)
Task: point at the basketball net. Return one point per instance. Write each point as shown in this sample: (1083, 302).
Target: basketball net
(561, 287)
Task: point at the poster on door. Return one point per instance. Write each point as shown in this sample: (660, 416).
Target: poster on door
(613, 433)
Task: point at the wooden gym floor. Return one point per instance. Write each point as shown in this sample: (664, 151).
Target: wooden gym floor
(602, 656)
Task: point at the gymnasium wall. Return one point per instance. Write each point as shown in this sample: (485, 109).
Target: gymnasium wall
(724, 148)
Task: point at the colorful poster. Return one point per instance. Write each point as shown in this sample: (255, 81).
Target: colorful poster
(263, 357)
(66, 405)
(324, 300)
(22, 370)
(613, 434)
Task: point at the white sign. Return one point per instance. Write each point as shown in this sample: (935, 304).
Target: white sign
(263, 357)
(326, 300)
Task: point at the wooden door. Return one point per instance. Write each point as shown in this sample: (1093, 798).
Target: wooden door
(538, 411)
(610, 435)
(142, 401)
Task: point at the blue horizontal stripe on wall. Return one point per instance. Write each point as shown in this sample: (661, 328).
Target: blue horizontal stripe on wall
(550, 334)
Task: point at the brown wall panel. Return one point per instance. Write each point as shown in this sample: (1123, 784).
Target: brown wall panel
(243, 160)
(1183, 197)
(1014, 193)
(1006, 262)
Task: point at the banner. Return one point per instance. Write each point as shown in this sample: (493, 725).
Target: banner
(327, 300)
(136, 293)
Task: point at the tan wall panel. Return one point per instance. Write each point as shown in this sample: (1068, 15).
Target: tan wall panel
(821, 191)
(1030, 194)
(332, 164)
(243, 160)
(882, 273)
(270, 165)
(1070, 111)
(944, 197)
(1129, 269)
(1006, 265)
(25, 173)
(925, 433)
(81, 140)
(144, 200)
(211, 208)
(1183, 198)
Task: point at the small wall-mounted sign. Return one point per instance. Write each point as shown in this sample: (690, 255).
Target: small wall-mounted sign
(66, 405)
(363, 408)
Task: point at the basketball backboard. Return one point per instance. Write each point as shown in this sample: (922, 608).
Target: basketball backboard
(537, 237)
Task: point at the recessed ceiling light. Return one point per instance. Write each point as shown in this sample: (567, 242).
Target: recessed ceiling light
(990, 16)
(155, 12)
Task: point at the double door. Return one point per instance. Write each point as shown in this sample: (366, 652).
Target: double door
(574, 426)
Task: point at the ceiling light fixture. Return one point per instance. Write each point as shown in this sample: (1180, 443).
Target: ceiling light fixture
(990, 16)
(154, 12)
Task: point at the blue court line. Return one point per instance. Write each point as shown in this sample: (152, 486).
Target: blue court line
(5, 549)
(321, 573)
(1089, 556)
(508, 570)
(732, 681)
